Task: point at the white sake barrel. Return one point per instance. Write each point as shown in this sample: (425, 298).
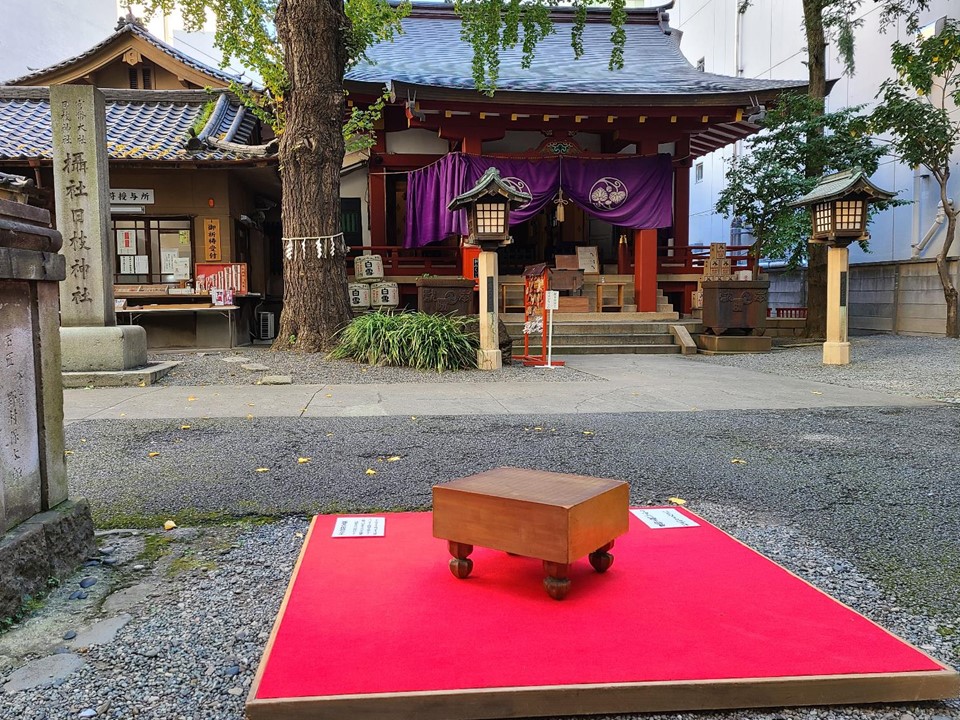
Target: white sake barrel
(384, 295)
(368, 268)
(359, 295)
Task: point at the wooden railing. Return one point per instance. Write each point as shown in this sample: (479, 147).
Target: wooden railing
(411, 262)
(685, 260)
(799, 313)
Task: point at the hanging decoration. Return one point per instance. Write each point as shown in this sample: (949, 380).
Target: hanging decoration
(560, 201)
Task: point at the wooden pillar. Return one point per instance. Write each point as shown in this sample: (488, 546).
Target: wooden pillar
(377, 197)
(645, 269)
(472, 144)
(836, 350)
(488, 356)
(681, 195)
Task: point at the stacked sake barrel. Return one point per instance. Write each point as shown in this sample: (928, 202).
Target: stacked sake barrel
(369, 289)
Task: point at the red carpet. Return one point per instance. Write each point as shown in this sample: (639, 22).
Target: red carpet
(384, 615)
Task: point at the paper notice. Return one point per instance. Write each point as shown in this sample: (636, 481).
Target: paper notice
(167, 260)
(127, 266)
(664, 518)
(359, 527)
(142, 264)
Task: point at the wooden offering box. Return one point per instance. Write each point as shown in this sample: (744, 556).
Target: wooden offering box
(553, 517)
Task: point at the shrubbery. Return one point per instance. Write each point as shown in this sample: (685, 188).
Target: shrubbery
(409, 339)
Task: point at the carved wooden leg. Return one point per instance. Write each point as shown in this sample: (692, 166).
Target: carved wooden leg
(556, 583)
(601, 559)
(460, 564)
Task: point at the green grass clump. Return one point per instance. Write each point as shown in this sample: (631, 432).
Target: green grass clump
(409, 339)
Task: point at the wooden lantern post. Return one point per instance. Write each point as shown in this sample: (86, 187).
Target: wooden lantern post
(488, 206)
(838, 209)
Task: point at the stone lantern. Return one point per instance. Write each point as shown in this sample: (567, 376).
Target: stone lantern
(838, 210)
(488, 205)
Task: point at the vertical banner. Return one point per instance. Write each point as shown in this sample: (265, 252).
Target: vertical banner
(211, 239)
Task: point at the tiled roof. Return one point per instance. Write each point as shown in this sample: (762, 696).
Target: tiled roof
(654, 66)
(840, 183)
(137, 31)
(141, 124)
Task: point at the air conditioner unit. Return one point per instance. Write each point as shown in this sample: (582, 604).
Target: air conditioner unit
(265, 323)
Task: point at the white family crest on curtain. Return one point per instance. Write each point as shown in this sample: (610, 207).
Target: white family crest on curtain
(519, 185)
(608, 193)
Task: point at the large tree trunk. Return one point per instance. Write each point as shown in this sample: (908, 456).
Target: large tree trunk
(816, 325)
(315, 302)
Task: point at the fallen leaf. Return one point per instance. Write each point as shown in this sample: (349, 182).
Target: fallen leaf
(298, 534)
(142, 383)
(413, 417)
(538, 429)
(249, 416)
(393, 458)
(329, 395)
(83, 439)
(123, 414)
(371, 471)
(303, 460)
(677, 501)
(204, 417)
(184, 427)
(329, 434)
(169, 525)
(261, 469)
(191, 398)
(738, 461)
(816, 392)
(68, 452)
(251, 404)
(152, 454)
(588, 432)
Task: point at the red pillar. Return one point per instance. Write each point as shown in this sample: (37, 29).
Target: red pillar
(681, 195)
(645, 269)
(377, 199)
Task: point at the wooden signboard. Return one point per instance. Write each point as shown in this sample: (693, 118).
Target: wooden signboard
(211, 239)
(588, 259)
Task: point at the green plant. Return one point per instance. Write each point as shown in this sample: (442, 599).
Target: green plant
(409, 339)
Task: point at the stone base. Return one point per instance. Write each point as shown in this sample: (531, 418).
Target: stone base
(836, 353)
(103, 349)
(139, 377)
(489, 359)
(719, 344)
(49, 545)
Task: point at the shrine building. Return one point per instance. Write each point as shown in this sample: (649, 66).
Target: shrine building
(606, 153)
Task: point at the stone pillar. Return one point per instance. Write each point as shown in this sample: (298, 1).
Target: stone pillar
(80, 181)
(81, 186)
(42, 534)
(836, 350)
(489, 356)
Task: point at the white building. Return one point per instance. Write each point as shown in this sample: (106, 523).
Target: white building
(767, 40)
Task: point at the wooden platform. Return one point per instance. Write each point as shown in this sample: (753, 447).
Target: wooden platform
(686, 619)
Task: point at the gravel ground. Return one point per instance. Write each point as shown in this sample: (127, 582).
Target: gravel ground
(926, 367)
(221, 368)
(863, 502)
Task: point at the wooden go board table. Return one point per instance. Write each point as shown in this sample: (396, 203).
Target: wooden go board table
(553, 517)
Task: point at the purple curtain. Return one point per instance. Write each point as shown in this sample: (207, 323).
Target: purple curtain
(634, 192)
(540, 177)
(429, 191)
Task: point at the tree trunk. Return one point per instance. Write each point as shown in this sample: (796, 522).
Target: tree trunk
(315, 302)
(943, 270)
(816, 325)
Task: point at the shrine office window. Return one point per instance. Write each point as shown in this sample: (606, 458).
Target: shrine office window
(351, 221)
(149, 250)
(698, 172)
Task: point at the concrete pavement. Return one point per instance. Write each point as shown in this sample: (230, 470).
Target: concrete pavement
(624, 383)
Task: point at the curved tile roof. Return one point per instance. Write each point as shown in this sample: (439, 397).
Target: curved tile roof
(131, 28)
(654, 66)
(141, 125)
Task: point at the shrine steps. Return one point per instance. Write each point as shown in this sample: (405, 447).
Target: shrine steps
(596, 333)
